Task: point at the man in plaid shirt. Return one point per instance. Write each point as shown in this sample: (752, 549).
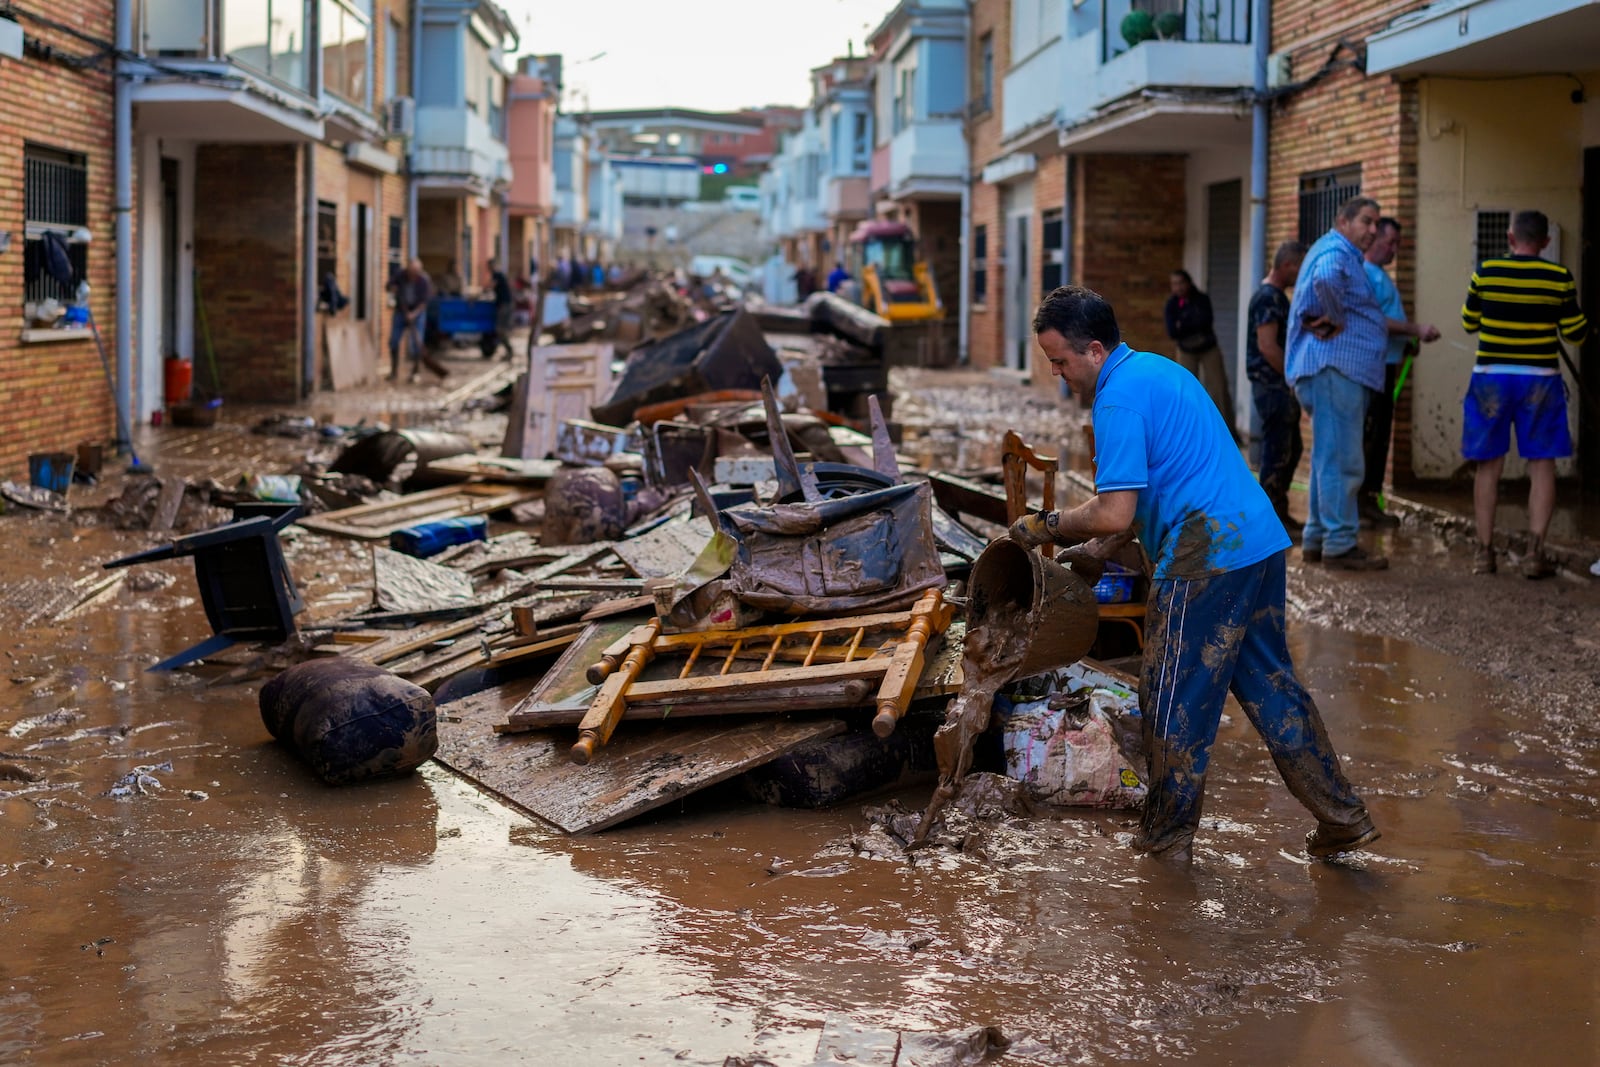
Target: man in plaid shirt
(1338, 336)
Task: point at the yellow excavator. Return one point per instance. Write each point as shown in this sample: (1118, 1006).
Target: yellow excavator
(895, 284)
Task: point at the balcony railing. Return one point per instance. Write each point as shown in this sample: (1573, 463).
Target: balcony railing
(1129, 23)
(268, 36)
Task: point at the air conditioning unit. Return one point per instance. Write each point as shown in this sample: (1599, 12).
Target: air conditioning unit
(401, 117)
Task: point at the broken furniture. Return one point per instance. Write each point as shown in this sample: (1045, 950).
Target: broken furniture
(563, 382)
(824, 655)
(1016, 459)
(377, 521)
(244, 582)
(726, 352)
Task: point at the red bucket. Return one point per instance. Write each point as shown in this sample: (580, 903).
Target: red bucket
(177, 376)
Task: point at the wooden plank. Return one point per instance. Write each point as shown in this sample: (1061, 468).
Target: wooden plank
(391, 649)
(625, 606)
(375, 522)
(499, 469)
(667, 551)
(640, 770)
(169, 500)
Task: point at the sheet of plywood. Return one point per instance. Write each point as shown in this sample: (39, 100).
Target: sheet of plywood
(375, 522)
(351, 352)
(667, 551)
(498, 469)
(563, 382)
(640, 770)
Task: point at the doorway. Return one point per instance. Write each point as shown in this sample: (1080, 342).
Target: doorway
(168, 341)
(1017, 292)
(361, 249)
(1224, 221)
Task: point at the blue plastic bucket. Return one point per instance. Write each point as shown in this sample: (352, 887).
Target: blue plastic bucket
(51, 470)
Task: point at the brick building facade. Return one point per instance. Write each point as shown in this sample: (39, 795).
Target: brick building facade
(55, 173)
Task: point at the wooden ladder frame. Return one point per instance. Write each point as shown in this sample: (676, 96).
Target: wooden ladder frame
(828, 651)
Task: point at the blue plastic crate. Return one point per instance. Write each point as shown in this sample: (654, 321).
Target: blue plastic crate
(1116, 585)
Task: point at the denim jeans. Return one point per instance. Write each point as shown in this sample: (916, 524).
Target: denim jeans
(1338, 409)
(1205, 638)
(1281, 446)
(402, 332)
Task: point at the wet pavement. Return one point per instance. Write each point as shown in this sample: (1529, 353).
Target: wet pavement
(233, 909)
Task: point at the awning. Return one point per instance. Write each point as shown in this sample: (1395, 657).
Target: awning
(1161, 126)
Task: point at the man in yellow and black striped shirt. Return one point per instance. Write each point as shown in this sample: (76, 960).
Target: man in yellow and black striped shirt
(1520, 307)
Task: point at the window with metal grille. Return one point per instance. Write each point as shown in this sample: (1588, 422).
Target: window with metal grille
(396, 249)
(1322, 192)
(55, 198)
(980, 264)
(1492, 239)
(1053, 252)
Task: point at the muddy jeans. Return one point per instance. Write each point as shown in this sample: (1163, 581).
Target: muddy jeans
(1204, 638)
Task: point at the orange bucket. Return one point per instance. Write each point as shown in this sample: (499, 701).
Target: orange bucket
(177, 376)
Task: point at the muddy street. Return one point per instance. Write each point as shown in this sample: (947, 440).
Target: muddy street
(176, 886)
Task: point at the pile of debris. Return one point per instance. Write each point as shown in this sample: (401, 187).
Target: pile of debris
(704, 563)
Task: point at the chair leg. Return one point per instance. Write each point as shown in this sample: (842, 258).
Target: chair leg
(210, 646)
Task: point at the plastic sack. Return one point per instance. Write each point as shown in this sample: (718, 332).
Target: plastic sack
(1063, 748)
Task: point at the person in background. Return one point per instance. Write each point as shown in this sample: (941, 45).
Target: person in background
(805, 282)
(1520, 307)
(1403, 338)
(1276, 406)
(837, 277)
(1166, 468)
(412, 291)
(1189, 324)
(450, 280)
(1334, 360)
(504, 308)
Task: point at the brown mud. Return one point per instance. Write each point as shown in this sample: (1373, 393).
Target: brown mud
(233, 909)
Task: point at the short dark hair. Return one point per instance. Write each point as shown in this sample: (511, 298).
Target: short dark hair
(1352, 207)
(1389, 222)
(1287, 253)
(1080, 315)
(1530, 227)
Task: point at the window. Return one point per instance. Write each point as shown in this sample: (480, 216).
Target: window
(347, 50)
(391, 58)
(1053, 252)
(268, 36)
(861, 142)
(327, 242)
(55, 199)
(980, 264)
(1321, 193)
(1034, 23)
(1492, 239)
(905, 91)
(396, 251)
(983, 92)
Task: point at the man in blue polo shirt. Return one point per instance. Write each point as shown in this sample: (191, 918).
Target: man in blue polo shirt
(1167, 468)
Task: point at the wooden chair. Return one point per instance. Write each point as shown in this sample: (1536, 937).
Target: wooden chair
(1017, 457)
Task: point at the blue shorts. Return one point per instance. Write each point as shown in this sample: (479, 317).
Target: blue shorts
(1536, 403)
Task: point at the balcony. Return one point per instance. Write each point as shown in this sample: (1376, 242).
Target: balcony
(456, 152)
(256, 56)
(1488, 37)
(1033, 91)
(846, 198)
(1128, 25)
(927, 158)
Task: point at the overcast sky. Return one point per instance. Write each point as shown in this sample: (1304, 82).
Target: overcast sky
(713, 55)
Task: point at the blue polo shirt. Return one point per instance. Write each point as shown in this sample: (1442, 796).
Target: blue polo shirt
(1200, 510)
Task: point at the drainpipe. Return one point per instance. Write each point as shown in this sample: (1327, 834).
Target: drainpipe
(308, 286)
(1262, 31)
(411, 156)
(123, 209)
(964, 283)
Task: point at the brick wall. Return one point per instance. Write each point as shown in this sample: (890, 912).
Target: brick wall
(1346, 118)
(1126, 233)
(54, 395)
(986, 321)
(248, 258)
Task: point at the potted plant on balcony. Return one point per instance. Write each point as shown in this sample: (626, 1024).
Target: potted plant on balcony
(1138, 27)
(1169, 25)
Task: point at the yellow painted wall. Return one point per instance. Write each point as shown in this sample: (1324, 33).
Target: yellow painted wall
(1484, 145)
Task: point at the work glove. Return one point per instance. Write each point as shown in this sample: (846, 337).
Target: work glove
(1030, 531)
(1085, 564)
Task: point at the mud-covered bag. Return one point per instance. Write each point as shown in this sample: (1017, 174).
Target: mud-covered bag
(350, 720)
(872, 551)
(1064, 749)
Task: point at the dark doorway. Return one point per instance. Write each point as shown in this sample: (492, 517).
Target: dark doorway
(1589, 354)
(169, 256)
(327, 244)
(1224, 203)
(361, 277)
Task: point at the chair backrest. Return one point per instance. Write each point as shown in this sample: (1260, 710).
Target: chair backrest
(1016, 457)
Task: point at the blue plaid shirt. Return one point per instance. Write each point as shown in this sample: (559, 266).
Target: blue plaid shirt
(1333, 282)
